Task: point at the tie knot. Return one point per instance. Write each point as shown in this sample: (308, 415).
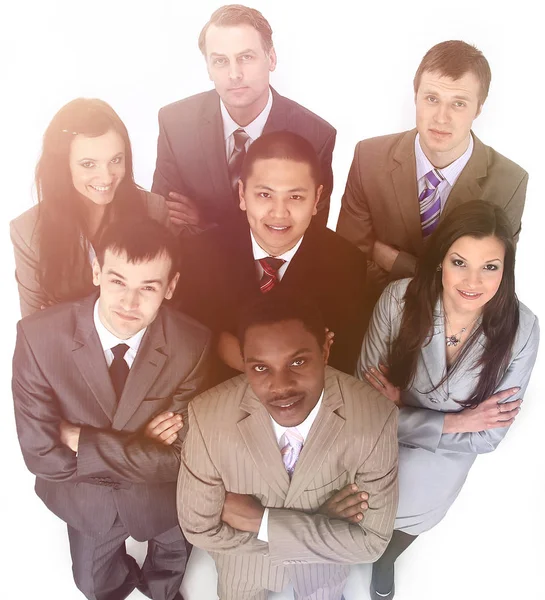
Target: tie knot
(119, 351)
(293, 437)
(271, 265)
(240, 137)
(434, 178)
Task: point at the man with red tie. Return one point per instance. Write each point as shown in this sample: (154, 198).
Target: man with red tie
(276, 249)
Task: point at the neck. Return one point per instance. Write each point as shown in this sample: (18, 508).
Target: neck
(440, 160)
(244, 115)
(459, 318)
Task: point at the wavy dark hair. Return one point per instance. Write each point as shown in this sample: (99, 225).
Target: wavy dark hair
(61, 217)
(500, 316)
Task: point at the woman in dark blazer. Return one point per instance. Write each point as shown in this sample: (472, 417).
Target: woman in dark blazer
(454, 349)
(84, 180)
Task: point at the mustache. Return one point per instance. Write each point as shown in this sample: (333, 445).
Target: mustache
(291, 395)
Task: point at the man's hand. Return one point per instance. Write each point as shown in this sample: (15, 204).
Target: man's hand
(182, 211)
(493, 413)
(384, 255)
(164, 428)
(69, 435)
(348, 504)
(242, 512)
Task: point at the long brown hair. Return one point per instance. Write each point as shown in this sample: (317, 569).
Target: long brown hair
(500, 317)
(61, 220)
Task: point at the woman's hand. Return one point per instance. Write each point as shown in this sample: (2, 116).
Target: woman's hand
(493, 413)
(377, 378)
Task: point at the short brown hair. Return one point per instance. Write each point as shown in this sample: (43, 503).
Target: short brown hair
(454, 59)
(237, 14)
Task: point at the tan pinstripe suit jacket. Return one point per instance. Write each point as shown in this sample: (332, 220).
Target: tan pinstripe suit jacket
(231, 446)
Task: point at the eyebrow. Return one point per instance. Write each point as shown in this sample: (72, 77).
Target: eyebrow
(262, 186)
(488, 261)
(146, 281)
(297, 353)
(94, 159)
(457, 96)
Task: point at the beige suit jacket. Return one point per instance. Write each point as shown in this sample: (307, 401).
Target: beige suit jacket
(25, 236)
(231, 446)
(380, 201)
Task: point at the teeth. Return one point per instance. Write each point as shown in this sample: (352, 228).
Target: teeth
(470, 293)
(101, 188)
(286, 405)
(277, 228)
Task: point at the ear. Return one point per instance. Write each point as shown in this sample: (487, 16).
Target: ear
(172, 286)
(97, 272)
(327, 344)
(272, 59)
(242, 201)
(318, 194)
(479, 110)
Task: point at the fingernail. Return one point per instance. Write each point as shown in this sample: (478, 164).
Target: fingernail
(362, 505)
(354, 487)
(367, 376)
(372, 369)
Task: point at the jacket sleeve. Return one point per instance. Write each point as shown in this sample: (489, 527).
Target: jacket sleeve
(200, 499)
(424, 428)
(167, 176)
(313, 538)
(326, 157)
(515, 207)
(31, 295)
(133, 457)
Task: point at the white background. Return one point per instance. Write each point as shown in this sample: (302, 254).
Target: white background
(353, 64)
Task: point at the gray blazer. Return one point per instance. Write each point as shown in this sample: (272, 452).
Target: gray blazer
(25, 236)
(59, 372)
(432, 465)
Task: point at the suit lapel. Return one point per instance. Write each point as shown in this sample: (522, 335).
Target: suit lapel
(434, 355)
(406, 190)
(89, 358)
(258, 435)
(147, 365)
(277, 117)
(467, 185)
(323, 433)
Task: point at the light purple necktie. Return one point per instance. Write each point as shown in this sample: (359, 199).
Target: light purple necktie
(430, 203)
(293, 444)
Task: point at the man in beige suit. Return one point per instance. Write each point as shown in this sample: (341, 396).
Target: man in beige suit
(267, 453)
(400, 185)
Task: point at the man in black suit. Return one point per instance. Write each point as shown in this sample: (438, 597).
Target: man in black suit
(101, 388)
(203, 139)
(276, 250)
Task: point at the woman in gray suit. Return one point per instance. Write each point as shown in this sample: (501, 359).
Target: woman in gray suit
(454, 349)
(84, 180)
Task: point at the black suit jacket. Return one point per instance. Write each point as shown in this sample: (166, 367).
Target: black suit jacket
(218, 277)
(59, 372)
(191, 156)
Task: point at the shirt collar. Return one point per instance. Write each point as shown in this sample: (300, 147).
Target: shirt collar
(304, 427)
(253, 129)
(259, 253)
(108, 340)
(451, 172)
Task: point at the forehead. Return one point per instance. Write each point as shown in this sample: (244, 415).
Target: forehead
(108, 145)
(478, 250)
(281, 173)
(467, 85)
(158, 268)
(278, 340)
(232, 39)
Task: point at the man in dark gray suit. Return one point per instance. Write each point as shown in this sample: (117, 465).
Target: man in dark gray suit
(203, 139)
(101, 388)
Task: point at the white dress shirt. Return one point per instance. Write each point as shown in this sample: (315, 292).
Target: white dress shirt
(108, 340)
(279, 430)
(253, 129)
(259, 253)
(450, 173)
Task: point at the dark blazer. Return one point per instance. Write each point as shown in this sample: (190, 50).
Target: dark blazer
(191, 156)
(59, 372)
(381, 197)
(218, 277)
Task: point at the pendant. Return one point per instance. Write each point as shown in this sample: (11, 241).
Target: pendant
(452, 340)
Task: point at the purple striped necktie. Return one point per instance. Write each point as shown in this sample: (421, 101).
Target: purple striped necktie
(270, 273)
(430, 203)
(293, 444)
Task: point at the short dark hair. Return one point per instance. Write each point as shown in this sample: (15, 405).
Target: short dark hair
(283, 145)
(454, 59)
(236, 14)
(141, 240)
(278, 306)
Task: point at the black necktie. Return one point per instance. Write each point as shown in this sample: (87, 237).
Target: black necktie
(237, 158)
(119, 369)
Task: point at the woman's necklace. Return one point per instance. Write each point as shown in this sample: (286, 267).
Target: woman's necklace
(455, 338)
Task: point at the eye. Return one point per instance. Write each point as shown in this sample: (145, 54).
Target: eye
(457, 262)
(260, 368)
(296, 197)
(491, 267)
(431, 99)
(264, 195)
(298, 362)
(116, 160)
(459, 104)
(117, 282)
(219, 62)
(148, 288)
(246, 57)
(87, 164)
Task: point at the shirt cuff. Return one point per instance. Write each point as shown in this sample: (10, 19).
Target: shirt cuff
(263, 533)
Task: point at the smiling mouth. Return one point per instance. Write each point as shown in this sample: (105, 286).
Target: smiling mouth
(101, 188)
(286, 403)
(278, 227)
(470, 295)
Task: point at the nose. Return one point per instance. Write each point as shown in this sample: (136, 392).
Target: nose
(235, 71)
(104, 172)
(279, 208)
(130, 300)
(442, 114)
(281, 382)
(474, 278)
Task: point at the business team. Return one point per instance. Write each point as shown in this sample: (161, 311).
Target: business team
(216, 377)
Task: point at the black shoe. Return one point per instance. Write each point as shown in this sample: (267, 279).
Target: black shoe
(381, 584)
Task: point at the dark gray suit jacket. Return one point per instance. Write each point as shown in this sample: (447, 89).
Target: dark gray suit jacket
(191, 156)
(60, 372)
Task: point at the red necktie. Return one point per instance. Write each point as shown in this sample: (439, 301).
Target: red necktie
(270, 273)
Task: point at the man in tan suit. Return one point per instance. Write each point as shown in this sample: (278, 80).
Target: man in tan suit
(267, 452)
(400, 185)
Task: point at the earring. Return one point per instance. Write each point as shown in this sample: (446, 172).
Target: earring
(439, 268)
